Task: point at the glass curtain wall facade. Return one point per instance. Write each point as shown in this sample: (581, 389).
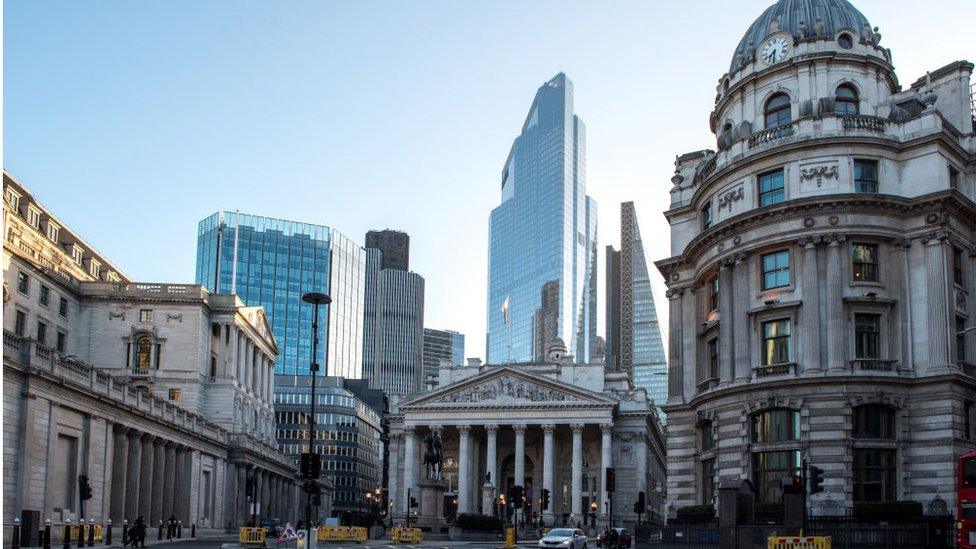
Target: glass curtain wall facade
(399, 333)
(272, 262)
(441, 345)
(374, 262)
(633, 334)
(542, 238)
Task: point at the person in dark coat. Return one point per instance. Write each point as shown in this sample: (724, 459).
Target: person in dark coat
(137, 534)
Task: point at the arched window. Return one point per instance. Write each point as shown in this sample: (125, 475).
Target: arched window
(778, 110)
(143, 353)
(845, 100)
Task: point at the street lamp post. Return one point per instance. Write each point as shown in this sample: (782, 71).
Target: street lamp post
(315, 299)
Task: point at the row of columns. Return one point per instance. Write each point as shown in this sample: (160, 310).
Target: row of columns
(273, 495)
(254, 368)
(466, 500)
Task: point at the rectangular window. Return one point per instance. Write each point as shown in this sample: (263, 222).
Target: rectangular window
(52, 232)
(874, 475)
(867, 335)
(34, 216)
(62, 342)
(953, 178)
(771, 188)
(776, 342)
(957, 266)
(708, 482)
(776, 425)
(706, 215)
(707, 436)
(77, 253)
(865, 262)
(63, 307)
(874, 421)
(969, 420)
(12, 198)
(769, 468)
(865, 176)
(145, 315)
(41, 332)
(176, 394)
(20, 323)
(776, 270)
(713, 358)
(94, 267)
(44, 296)
(713, 294)
(960, 339)
(23, 283)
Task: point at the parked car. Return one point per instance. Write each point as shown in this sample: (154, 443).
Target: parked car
(623, 538)
(564, 537)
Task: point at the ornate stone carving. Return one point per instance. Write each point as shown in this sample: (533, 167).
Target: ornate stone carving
(548, 428)
(674, 293)
(819, 173)
(519, 428)
(960, 301)
(900, 243)
(833, 220)
(809, 222)
(113, 314)
(505, 390)
(932, 218)
(577, 427)
(737, 240)
(935, 237)
(178, 317)
(727, 198)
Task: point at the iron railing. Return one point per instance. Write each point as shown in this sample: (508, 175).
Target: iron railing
(864, 122)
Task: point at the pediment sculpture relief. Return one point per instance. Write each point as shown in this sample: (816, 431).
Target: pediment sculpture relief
(502, 390)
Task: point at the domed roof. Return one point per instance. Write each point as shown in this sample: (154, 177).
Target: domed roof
(833, 14)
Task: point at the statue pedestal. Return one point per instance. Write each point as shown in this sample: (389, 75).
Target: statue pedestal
(487, 498)
(432, 500)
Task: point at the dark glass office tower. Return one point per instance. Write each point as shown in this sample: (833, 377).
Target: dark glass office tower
(272, 262)
(395, 246)
(441, 345)
(542, 238)
(633, 333)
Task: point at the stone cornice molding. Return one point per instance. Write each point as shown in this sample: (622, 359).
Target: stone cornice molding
(803, 207)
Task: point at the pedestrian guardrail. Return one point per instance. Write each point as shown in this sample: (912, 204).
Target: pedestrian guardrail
(252, 536)
(76, 532)
(798, 542)
(341, 533)
(406, 535)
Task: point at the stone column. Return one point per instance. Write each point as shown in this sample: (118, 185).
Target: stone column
(159, 471)
(132, 475)
(577, 487)
(181, 491)
(230, 494)
(393, 492)
(810, 310)
(675, 364)
(902, 339)
(120, 453)
(491, 458)
(409, 468)
(606, 458)
(938, 287)
(726, 323)
(240, 503)
(836, 360)
(169, 480)
(548, 466)
(519, 454)
(742, 365)
(146, 477)
(464, 468)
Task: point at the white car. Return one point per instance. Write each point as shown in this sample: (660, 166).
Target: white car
(564, 537)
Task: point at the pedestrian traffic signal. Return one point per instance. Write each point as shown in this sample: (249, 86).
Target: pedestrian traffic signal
(249, 488)
(84, 488)
(413, 503)
(816, 479)
(310, 466)
(317, 499)
(545, 499)
(611, 479)
(639, 504)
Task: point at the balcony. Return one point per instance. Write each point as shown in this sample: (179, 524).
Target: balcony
(775, 370)
(873, 364)
(771, 135)
(864, 123)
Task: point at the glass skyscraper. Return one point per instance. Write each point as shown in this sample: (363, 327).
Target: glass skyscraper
(272, 262)
(633, 333)
(542, 238)
(441, 345)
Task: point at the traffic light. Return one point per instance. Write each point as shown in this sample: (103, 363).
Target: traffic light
(310, 466)
(317, 498)
(84, 488)
(640, 504)
(413, 503)
(816, 479)
(545, 499)
(611, 476)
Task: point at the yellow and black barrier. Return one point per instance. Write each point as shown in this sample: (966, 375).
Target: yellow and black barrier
(406, 535)
(252, 536)
(341, 533)
(798, 542)
(76, 533)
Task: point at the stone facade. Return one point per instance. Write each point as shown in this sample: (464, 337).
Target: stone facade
(822, 272)
(554, 425)
(160, 394)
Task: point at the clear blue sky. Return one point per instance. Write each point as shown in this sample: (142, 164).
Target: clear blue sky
(134, 120)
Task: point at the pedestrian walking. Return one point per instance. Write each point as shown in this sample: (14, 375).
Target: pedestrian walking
(137, 534)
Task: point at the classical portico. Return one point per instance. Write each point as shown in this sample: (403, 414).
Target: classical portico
(522, 425)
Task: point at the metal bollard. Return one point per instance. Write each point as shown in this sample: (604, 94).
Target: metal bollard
(47, 534)
(15, 541)
(125, 532)
(159, 531)
(193, 530)
(179, 529)
(108, 532)
(67, 534)
(91, 532)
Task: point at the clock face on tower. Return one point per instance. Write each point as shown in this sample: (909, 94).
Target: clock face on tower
(775, 50)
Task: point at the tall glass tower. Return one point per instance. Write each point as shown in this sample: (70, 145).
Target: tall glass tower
(542, 238)
(633, 333)
(272, 262)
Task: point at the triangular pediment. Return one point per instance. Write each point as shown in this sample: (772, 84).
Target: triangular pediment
(507, 386)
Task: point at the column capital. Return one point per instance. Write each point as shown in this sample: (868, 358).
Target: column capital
(464, 429)
(519, 428)
(492, 428)
(577, 428)
(408, 430)
(606, 428)
(548, 428)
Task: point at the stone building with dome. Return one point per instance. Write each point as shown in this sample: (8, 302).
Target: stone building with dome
(821, 284)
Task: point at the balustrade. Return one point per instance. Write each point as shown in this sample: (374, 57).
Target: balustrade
(770, 135)
(864, 122)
